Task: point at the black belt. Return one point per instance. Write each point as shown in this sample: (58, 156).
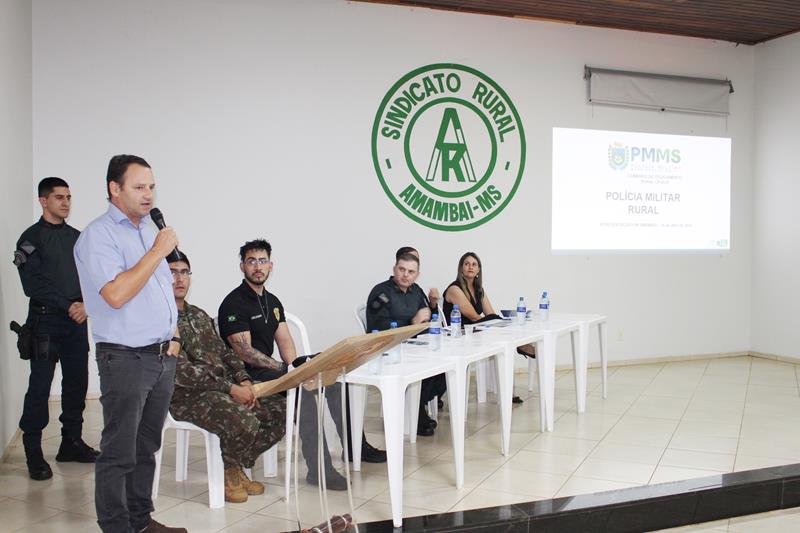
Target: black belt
(38, 308)
(159, 348)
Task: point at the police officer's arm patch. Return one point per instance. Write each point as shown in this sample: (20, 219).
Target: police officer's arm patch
(22, 253)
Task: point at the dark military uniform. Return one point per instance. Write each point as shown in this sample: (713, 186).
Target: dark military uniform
(401, 308)
(50, 279)
(206, 369)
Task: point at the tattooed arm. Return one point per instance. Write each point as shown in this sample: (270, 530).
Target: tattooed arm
(241, 344)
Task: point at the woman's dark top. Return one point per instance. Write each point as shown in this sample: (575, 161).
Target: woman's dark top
(447, 307)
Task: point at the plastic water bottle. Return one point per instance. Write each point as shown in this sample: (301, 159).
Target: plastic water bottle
(522, 311)
(455, 322)
(394, 353)
(544, 307)
(436, 333)
(375, 364)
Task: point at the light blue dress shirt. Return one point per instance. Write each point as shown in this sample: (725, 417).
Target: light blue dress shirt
(110, 245)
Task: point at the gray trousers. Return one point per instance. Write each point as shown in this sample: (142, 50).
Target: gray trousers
(136, 388)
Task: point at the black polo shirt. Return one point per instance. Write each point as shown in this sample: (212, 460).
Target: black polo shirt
(243, 310)
(401, 308)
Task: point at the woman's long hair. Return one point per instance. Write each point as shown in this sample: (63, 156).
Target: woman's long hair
(462, 281)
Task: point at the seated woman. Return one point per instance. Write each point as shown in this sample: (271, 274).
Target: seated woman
(467, 292)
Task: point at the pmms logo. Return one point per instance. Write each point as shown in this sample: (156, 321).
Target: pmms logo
(618, 156)
(448, 147)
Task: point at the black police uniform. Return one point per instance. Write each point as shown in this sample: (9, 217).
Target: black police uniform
(386, 303)
(244, 310)
(49, 277)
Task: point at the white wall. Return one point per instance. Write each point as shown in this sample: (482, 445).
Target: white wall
(776, 256)
(256, 117)
(15, 216)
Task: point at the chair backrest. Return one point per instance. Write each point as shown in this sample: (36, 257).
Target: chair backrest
(360, 313)
(296, 323)
(442, 319)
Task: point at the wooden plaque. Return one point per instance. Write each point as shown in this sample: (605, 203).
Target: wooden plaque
(347, 354)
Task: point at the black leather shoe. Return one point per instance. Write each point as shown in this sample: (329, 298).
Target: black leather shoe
(425, 420)
(76, 451)
(333, 480)
(516, 399)
(38, 469)
(424, 431)
(157, 527)
(371, 454)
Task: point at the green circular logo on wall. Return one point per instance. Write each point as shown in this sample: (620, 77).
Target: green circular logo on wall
(448, 147)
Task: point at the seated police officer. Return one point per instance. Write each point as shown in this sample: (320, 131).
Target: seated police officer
(433, 292)
(399, 299)
(213, 391)
(57, 320)
(251, 321)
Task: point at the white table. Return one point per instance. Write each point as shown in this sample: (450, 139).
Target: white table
(399, 385)
(462, 352)
(586, 321)
(545, 334)
(508, 337)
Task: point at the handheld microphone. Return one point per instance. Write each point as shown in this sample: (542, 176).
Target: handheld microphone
(158, 220)
(300, 359)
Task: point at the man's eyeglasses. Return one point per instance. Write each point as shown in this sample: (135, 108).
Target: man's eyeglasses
(179, 273)
(252, 261)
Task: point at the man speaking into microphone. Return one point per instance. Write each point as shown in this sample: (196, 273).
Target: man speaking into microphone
(127, 288)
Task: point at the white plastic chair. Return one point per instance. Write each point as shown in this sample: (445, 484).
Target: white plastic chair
(214, 466)
(360, 313)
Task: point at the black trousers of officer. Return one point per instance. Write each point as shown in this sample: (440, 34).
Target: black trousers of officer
(68, 342)
(431, 388)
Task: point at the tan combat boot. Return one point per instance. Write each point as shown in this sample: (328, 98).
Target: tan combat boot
(234, 489)
(253, 488)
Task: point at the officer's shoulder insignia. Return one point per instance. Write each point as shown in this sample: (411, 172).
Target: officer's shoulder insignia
(277, 313)
(231, 318)
(23, 252)
(27, 247)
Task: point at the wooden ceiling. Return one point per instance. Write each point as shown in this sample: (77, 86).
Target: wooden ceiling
(745, 21)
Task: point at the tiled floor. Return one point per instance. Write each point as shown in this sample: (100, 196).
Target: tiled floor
(660, 422)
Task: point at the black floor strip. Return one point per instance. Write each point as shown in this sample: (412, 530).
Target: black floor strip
(637, 509)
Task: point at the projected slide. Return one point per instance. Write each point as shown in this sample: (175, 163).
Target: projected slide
(640, 192)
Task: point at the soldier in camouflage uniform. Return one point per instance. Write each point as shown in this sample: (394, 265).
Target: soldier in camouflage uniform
(213, 391)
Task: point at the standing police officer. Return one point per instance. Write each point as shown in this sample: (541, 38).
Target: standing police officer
(57, 320)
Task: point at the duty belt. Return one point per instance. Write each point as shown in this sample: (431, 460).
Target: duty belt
(159, 348)
(39, 308)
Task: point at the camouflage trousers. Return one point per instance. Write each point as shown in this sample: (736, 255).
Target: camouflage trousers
(244, 434)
